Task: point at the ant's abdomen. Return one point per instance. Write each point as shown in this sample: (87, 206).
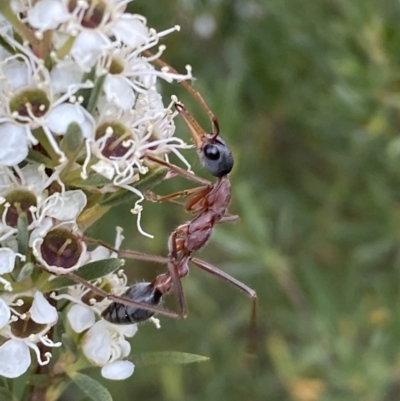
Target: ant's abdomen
(122, 314)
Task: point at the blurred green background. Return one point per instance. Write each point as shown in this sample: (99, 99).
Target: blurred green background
(307, 94)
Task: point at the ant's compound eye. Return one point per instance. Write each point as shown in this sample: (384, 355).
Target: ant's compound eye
(211, 152)
(217, 158)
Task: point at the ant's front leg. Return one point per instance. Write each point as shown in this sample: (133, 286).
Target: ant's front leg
(178, 170)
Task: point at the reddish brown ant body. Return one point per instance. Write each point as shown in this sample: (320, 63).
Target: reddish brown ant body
(209, 204)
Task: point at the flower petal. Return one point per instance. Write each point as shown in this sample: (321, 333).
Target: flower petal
(47, 14)
(118, 370)
(87, 49)
(119, 92)
(67, 207)
(7, 260)
(5, 313)
(15, 358)
(41, 310)
(81, 318)
(97, 344)
(13, 144)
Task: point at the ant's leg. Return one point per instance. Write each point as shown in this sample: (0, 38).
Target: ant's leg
(195, 204)
(229, 218)
(236, 283)
(192, 91)
(122, 300)
(126, 254)
(152, 197)
(178, 170)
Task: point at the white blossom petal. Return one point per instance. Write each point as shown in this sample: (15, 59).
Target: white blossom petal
(13, 144)
(105, 169)
(41, 311)
(16, 73)
(99, 253)
(118, 370)
(67, 207)
(87, 49)
(130, 30)
(81, 318)
(7, 260)
(63, 115)
(65, 74)
(97, 344)
(5, 313)
(47, 14)
(15, 358)
(119, 92)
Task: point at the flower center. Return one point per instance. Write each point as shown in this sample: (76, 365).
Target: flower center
(93, 15)
(116, 67)
(60, 248)
(20, 202)
(30, 103)
(116, 144)
(25, 326)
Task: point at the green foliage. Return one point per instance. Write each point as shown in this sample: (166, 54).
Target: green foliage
(92, 388)
(166, 358)
(90, 271)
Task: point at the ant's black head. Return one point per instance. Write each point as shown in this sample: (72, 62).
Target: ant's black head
(216, 157)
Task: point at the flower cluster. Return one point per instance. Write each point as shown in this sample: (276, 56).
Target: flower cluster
(79, 114)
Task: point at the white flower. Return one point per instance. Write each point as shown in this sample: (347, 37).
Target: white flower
(41, 311)
(81, 318)
(15, 359)
(104, 344)
(118, 370)
(13, 144)
(47, 14)
(7, 263)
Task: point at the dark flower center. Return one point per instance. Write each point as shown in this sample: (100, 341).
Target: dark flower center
(23, 328)
(30, 102)
(115, 145)
(20, 202)
(61, 248)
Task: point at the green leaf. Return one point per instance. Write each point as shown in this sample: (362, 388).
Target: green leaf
(40, 380)
(150, 180)
(23, 233)
(90, 271)
(94, 180)
(94, 94)
(72, 142)
(26, 271)
(36, 157)
(5, 395)
(92, 388)
(69, 343)
(166, 358)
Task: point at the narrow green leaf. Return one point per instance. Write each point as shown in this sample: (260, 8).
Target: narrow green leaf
(86, 93)
(72, 142)
(166, 358)
(94, 180)
(92, 388)
(94, 94)
(23, 234)
(5, 395)
(36, 157)
(69, 343)
(26, 271)
(90, 271)
(150, 180)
